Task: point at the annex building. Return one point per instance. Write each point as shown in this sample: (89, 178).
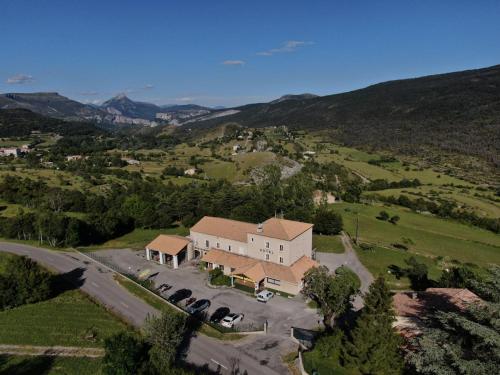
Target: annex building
(274, 254)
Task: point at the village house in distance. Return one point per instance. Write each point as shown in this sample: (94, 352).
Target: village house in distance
(275, 254)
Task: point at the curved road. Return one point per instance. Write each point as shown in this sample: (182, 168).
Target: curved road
(98, 282)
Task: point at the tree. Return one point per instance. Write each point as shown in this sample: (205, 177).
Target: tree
(164, 334)
(417, 273)
(23, 281)
(327, 221)
(332, 293)
(374, 345)
(488, 287)
(456, 277)
(125, 354)
(394, 220)
(383, 215)
(465, 343)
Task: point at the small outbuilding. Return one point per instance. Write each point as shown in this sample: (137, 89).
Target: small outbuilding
(170, 250)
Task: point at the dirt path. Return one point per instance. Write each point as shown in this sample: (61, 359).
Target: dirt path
(52, 351)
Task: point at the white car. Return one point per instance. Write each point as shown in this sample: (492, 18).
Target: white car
(231, 319)
(264, 296)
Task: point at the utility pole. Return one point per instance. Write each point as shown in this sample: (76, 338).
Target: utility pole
(357, 227)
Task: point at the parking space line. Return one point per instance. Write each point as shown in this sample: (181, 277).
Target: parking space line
(218, 364)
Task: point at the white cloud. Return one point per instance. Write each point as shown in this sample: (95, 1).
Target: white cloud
(149, 86)
(20, 79)
(234, 62)
(288, 46)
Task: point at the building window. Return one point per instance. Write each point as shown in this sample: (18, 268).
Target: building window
(267, 256)
(281, 247)
(273, 281)
(229, 247)
(207, 243)
(252, 239)
(281, 259)
(221, 267)
(218, 245)
(267, 245)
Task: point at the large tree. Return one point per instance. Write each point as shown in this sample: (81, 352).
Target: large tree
(374, 346)
(458, 343)
(332, 293)
(125, 354)
(327, 221)
(165, 335)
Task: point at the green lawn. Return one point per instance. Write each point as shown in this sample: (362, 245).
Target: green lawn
(328, 244)
(67, 320)
(138, 238)
(422, 234)
(36, 365)
(379, 259)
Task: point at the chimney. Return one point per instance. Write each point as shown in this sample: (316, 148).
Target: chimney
(260, 228)
(414, 295)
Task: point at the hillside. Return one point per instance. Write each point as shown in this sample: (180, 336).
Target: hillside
(455, 112)
(21, 122)
(51, 104)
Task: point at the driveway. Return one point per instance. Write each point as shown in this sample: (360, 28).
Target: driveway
(281, 313)
(351, 260)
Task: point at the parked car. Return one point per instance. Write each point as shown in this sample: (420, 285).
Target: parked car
(198, 306)
(190, 301)
(231, 319)
(265, 296)
(163, 287)
(219, 314)
(179, 295)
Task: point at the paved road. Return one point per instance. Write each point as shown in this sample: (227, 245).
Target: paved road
(98, 282)
(351, 260)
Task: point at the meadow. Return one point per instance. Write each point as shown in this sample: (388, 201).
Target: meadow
(434, 241)
(70, 319)
(36, 365)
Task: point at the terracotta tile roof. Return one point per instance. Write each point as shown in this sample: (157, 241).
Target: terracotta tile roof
(258, 269)
(227, 259)
(225, 228)
(282, 229)
(301, 266)
(168, 244)
(419, 304)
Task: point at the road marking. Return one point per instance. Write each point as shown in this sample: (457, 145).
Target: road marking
(94, 284)
(218, 364)
(124, 304)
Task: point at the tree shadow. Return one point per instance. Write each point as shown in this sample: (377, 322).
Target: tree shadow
(27, 366)
(71, 280)
(193, 324)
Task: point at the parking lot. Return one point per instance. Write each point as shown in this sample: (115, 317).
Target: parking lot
(281, 313)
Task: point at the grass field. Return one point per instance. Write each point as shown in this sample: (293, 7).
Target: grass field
(29, 365)
(328, 244)
(379, 259)
(422, 234)
(70, 319)
(465, 197)
(137, 239)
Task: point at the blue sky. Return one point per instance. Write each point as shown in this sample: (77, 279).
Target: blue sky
(233, 52)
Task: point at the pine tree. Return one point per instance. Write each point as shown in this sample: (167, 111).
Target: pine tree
(374, 346)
